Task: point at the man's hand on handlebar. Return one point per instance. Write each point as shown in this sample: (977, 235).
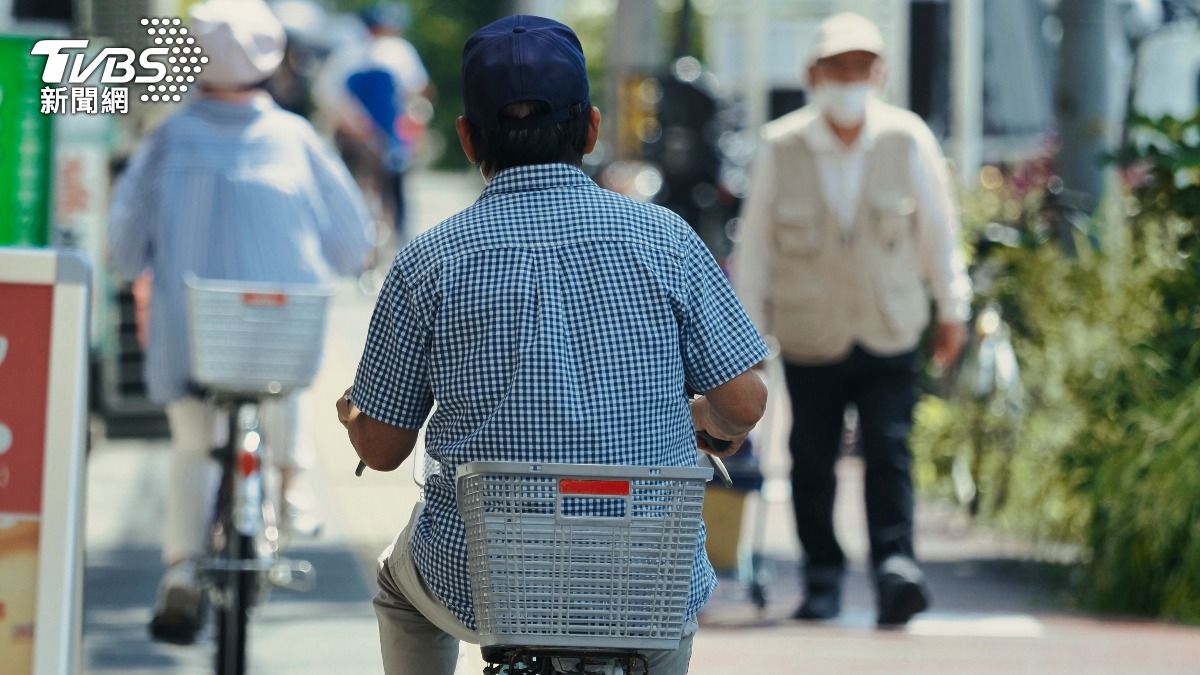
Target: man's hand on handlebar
(344, 407)
(379, 445)
(707, 421)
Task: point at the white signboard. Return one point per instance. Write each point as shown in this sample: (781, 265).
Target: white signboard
(43, 396)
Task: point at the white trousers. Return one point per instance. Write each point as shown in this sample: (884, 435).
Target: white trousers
(196, 428)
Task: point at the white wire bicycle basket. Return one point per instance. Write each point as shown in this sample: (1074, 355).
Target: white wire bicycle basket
(255, 338)
(589, 556)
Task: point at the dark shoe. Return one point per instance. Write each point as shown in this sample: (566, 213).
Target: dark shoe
(180, 608)
(902, 591)
(821, 603)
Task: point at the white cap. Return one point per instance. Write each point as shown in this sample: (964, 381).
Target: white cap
(846, 32)
(241, 38)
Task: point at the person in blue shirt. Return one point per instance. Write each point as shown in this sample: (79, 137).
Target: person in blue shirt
(551, 321)
(377, 93)
(229, 187)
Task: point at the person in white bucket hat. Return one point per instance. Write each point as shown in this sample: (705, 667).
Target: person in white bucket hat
(243, 41)
(849, 229)
(228, 187)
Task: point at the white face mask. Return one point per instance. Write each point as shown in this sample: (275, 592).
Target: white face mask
(845, 104)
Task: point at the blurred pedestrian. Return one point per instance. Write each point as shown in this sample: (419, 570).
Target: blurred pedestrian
(229, 187)
(370, 90)
(548, 319)
(306, 26)
(849, 216)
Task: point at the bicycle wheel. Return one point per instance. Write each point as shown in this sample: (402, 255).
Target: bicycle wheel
(234, 611)
(238, 580)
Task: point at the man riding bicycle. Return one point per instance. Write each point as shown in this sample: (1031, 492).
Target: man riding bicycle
(229, 187)
(552, 321)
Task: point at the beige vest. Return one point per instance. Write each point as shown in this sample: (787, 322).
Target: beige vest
(829, 291)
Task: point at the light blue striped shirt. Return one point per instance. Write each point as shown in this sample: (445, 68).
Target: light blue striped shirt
(240, 191)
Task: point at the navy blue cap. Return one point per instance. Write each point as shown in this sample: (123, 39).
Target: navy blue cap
(523, 58)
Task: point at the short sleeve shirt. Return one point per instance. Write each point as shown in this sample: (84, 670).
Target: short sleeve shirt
(551, 321)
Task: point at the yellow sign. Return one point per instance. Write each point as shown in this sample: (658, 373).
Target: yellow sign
(18, 594)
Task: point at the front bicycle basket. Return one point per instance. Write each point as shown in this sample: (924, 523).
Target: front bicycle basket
(590, 556)
(255, 338)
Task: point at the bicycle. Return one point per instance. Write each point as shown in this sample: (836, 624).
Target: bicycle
(251, 342)
(989, 375)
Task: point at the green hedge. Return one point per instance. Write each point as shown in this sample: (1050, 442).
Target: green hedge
(1104, 451)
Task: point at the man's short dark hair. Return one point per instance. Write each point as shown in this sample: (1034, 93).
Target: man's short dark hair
(502, 149)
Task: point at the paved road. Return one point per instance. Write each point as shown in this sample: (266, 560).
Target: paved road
(992, 614)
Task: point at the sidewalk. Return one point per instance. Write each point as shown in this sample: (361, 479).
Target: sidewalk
(993, 610)
(328, 630)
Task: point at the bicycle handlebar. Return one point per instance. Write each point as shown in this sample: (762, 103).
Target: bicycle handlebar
(715, 444)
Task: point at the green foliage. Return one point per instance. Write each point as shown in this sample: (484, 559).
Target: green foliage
(1107, 452)
(1139, 461)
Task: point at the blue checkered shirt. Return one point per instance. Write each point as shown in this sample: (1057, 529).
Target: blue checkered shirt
(551, 321)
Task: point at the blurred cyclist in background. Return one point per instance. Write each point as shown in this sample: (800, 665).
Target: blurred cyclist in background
(376, 94)
(229, 187)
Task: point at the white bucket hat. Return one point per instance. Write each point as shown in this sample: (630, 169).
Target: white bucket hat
(846, 32)
(241, 38)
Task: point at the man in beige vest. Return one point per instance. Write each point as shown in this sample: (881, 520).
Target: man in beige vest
(849, 228)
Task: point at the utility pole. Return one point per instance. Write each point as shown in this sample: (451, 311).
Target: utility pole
(1082, 99)
(966, 70)
(756, 24)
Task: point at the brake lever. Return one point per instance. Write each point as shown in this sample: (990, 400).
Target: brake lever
(717, 445)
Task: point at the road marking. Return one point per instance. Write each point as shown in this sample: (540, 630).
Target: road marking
(978, 625)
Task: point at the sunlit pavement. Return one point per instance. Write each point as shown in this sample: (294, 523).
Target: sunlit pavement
(990, 615)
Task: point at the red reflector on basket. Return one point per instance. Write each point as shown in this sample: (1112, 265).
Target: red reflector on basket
(264, 299)
(608, 488)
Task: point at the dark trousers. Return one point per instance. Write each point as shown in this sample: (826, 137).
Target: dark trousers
(392, 192)
(373, 173)
(884, 391)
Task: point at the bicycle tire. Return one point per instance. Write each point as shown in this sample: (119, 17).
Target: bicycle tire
(234, 613)
(237, 586)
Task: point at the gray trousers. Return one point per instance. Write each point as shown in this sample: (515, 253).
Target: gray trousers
(413, 645)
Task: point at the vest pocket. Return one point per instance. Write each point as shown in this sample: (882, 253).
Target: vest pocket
(804, 322)
(893, 221)
(903, 299)
(797, 232)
